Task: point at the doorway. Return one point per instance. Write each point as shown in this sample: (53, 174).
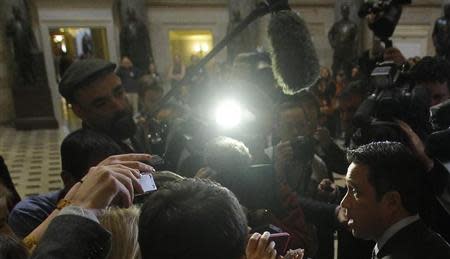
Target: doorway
(190, 45)
(69, 44)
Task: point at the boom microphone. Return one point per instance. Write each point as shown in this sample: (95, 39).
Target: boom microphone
(294, 59)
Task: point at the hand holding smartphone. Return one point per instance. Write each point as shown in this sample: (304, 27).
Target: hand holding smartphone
(147, 182)
(148, 185)
(281, 242)
(267, 246)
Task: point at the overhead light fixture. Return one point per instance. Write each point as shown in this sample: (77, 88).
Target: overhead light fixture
(58, 38)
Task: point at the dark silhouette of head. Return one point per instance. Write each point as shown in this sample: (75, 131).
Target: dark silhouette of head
(229, 159)
(345, 11)
(192, 219)
(131, 14)
(447, 11)
(81, 150)
(433, 73)
(17, 12)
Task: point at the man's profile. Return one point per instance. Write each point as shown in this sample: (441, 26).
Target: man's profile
(385, 183)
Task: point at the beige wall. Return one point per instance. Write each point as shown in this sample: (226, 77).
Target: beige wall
(213, 15)
(413, 32)
(164, 19)
(415, 29)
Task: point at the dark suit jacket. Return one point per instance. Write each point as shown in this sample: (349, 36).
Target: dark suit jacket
(415, 241)
(431, 210)
(73, 237)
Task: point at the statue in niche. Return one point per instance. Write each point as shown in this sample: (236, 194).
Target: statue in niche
(135, 41)
(24, 45)
(87, 46)
(235, 46)
(342, 37)
(441, 34)
(247, 40)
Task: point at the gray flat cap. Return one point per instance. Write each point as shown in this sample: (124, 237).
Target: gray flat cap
(81, 73)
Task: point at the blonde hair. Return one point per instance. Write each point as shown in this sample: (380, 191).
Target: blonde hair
(123, 225)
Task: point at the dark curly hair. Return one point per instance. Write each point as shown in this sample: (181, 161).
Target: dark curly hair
(431, 69)
(190, 219)
(392, 167)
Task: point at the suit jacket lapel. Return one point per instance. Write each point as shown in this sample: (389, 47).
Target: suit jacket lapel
(400, 239)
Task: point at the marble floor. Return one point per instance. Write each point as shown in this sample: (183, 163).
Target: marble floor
(33, 158)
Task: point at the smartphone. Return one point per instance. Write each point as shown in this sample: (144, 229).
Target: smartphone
(147, 183)
(281, 242)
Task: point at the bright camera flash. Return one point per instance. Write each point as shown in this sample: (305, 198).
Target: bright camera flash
(228, 114)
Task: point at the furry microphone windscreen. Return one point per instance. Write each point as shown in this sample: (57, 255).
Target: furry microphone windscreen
(294, 58)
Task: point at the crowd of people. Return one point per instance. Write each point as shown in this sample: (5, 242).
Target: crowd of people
(266, 190)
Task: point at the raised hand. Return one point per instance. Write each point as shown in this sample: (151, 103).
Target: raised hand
(131, 161)
(258, 247)
(104, 183)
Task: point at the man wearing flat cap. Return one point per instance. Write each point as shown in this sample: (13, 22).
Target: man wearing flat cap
(98, 99)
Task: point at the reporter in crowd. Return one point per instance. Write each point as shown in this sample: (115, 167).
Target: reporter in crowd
(79, 151)
(433, 73)
(228, 162)
(98, 98)
(300, 170)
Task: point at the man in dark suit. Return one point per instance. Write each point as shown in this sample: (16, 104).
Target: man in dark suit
(385, 190)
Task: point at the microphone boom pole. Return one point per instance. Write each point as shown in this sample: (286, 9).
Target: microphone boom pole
(261, 10)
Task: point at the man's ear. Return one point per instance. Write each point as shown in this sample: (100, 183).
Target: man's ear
(76, 108)
(393, 200)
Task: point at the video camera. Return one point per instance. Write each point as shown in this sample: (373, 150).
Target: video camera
(395, 97)
(440, 116)
(386, 16)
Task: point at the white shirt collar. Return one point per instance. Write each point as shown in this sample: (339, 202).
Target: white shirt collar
(393, 229)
